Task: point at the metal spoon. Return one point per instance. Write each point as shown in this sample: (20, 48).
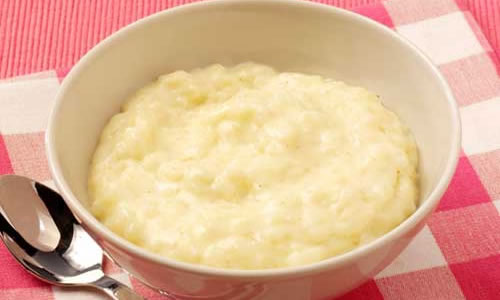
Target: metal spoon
(44, 236)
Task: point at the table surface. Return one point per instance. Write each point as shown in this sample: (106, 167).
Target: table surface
(43, 35)
(455, 256)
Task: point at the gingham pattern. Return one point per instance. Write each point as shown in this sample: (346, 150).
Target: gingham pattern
(456, 256)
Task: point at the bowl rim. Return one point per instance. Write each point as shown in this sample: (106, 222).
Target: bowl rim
(340, 260)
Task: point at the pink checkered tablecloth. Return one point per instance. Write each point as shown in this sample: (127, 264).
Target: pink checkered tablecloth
(457, 254)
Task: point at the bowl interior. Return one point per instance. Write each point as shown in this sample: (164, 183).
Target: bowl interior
(290, 36)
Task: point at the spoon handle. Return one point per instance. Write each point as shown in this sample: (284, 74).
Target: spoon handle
(115, 289)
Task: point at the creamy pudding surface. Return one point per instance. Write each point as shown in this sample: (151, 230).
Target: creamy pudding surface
(246, 168)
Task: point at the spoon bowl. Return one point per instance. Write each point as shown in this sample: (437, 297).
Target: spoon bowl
(44, 236)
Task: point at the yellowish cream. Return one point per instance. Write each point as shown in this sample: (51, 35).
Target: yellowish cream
(247, 168)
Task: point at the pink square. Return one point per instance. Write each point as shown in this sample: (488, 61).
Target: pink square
(467, 233)
(27, 155)
(61, 73)
(35, 293)
(376, 12)
(487, 166)
(479, 279)
(13, 276)
(411, 11)
(472, 79)
(369, 290)
(5, 166)
(435, 283)
(465, 188)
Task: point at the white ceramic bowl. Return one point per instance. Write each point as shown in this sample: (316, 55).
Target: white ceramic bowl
(290, 36)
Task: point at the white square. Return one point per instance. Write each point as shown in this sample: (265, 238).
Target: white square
(72, 293)
(25, 105)
(422, 253)
(497, 205)
(31, 76)
(481, 126)
(443, 39)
